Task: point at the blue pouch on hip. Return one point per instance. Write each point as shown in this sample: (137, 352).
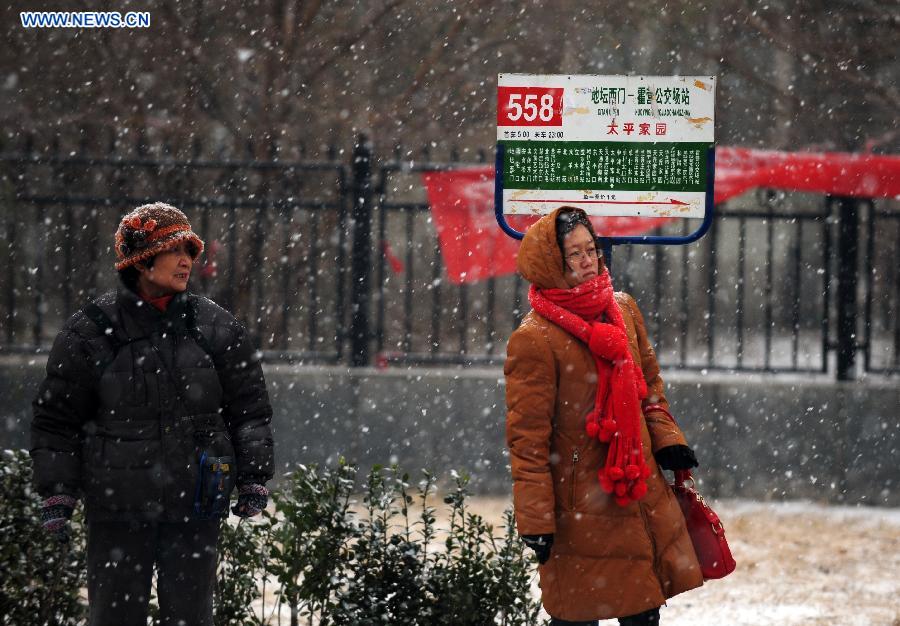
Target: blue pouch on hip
(213, 486)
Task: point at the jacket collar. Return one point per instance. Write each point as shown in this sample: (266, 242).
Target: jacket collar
(147, 316)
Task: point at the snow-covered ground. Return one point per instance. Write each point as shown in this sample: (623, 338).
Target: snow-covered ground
(802, 563)
(798, 563)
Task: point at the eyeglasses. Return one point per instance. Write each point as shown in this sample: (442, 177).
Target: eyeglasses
(576, 257)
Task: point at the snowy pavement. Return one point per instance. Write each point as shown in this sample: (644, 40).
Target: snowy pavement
(798, 563)
(802, 563)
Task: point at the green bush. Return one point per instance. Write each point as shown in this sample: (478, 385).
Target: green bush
(312, 531)
(243, 556)
(41, 580)
(325, 558)
(384, 565)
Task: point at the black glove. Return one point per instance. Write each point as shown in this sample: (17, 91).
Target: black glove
(252, 499)
(676, 458)
(541, 545)
(56, 511)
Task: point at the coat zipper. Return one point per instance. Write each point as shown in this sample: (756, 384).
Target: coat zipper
(574, 472)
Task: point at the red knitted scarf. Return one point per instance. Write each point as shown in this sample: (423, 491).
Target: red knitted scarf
(616, 415)
(161, 303)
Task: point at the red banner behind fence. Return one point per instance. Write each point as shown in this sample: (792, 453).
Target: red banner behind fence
(474, 247)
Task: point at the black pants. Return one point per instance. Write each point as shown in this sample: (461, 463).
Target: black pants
(120, 560)
(647, 618)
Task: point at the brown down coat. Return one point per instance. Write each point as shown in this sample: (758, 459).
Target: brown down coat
(607, 561)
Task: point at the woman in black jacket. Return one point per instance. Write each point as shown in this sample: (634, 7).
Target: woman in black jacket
(153, 409)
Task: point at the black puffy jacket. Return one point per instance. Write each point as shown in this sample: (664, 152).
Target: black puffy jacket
(111, 424)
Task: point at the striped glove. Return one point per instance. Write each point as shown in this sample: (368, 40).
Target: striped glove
(252, 499)
(56, 511)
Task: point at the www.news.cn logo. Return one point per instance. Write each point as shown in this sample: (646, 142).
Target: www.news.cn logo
(85, 19)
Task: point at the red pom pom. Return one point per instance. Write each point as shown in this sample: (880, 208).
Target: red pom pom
(607, 429)
(632, 471)
(592, 429)
(639, 490)
(615, 473)
(621, 489)
(623, 500)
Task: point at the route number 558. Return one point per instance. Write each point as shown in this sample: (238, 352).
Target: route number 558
(529, 106)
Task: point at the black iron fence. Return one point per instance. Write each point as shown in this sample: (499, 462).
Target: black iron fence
(337, 261)
(881, 288)
(275, 234)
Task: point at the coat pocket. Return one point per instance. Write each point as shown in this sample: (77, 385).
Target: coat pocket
(124, 476)
(121, 454)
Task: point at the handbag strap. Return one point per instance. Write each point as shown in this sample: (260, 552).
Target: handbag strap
(681, 476)
(661, 409)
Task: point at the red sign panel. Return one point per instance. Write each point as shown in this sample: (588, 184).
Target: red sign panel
(529, 106)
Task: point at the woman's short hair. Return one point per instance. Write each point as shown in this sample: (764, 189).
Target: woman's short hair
(129, 275)
(567, 220)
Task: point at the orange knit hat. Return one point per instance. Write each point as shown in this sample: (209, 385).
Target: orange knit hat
(151, 229)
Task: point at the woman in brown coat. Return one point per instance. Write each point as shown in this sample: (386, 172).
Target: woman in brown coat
(588, 429)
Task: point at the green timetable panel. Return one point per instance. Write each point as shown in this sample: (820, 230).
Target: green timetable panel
(602, 165)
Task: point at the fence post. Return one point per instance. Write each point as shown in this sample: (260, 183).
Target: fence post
(361, 223)
(848, 279)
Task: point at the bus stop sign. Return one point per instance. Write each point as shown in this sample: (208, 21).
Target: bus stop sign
(611, 145)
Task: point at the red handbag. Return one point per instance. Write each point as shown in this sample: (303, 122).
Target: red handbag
(705, 529)
(704, 526)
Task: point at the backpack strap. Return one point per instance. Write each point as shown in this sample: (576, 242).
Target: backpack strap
(194, 331)
(109, 330)
(117, 340)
